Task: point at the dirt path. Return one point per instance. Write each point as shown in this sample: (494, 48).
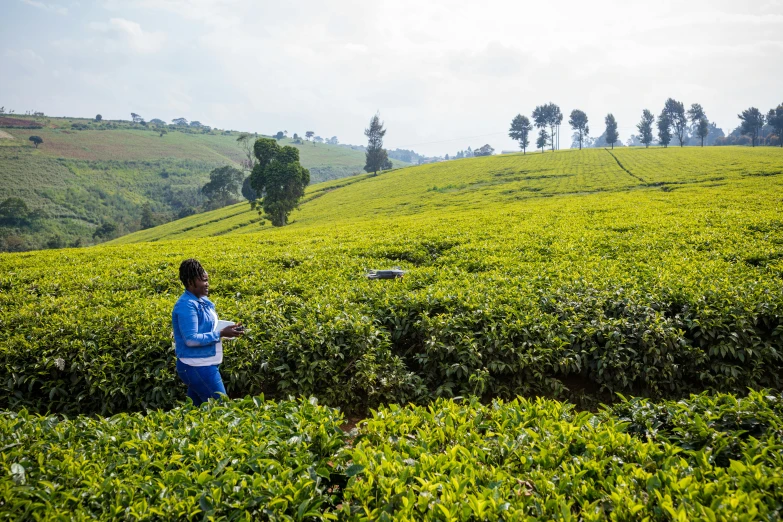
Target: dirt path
(5, 136)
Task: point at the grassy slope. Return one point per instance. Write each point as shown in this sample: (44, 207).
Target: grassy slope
(81, 178)
(503, 180)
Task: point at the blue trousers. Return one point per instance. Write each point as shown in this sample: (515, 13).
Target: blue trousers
(204, 382)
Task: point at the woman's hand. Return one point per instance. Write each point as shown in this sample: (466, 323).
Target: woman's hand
(235, 330)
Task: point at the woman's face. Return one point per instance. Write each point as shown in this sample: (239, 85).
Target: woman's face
(200, 287)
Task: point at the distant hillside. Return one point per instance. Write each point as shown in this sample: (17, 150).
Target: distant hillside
(87, 173)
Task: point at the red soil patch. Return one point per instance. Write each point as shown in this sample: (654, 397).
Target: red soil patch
(19, 124)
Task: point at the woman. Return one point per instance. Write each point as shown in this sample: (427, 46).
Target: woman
(196, 338)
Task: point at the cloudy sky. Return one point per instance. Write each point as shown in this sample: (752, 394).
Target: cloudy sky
(444, 75)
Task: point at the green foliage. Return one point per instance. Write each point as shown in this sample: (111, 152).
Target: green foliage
(775, 120)
(645, 127)
(541, 460)
(520, 131)
(224, 186)
(543, 139)
(752, 122)
(548, 115)
(675, 115)
(37, 140)
(106, 230)
(279, 179)
(611, 130)
(242, 460)
(14, 211)
(485, 150)
(703, 458)
(376, 157)
(664, 129)
(578, 122)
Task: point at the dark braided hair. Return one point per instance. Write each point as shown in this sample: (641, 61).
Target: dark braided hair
(190, 270)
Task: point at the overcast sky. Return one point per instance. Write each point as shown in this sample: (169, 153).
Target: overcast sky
(444, 75)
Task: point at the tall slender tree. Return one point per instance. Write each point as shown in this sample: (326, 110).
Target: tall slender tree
(664, 129)
(542, 140)
(645, 128)
(578, 122)
(548, 115)
(376, 156)
(611, 129)
(699, 122)
(520, 131)
(775, 120)
(675, 111)
(752, 122)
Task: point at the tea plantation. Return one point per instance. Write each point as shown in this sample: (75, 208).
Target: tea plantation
(576, 276)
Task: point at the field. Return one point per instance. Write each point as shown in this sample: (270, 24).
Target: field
(86, 173)
(574, 276)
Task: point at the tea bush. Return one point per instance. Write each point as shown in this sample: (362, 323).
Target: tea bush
(704, 458)
(596, 284)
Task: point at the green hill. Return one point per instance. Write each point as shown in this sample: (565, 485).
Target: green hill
(568, 277)
(86, 173)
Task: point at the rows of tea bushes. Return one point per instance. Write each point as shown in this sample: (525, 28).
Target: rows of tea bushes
(706, 458)
(638, 290)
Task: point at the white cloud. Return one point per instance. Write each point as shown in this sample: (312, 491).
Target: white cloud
(53, 8)
(126, 34)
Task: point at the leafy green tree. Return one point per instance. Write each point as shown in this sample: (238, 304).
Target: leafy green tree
(98, 117)
(105, 231)
(376, 156)
(543, 139)
(37, 140)
(664, 129)
(752, 122)
(548, 115)
(645, 127)
(675, 112)
(14, 211)
(611, 130)
(280, 135)
(485, 150)
(309, 135)
(775, 120)
(520, 131)
(248, 193)
(223, 186)
(179, 121)
(147, 217)
(278, 179)
(578, 122)
(699, 122)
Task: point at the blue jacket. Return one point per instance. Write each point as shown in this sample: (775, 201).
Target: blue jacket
(194, 327)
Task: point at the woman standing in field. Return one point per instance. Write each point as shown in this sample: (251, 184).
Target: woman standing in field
(196, 337)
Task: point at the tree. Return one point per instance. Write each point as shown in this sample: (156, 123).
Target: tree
(104, 231)
(775, 120)
(675, 112)
(278, 179)
(752, 122)
(375, 155)
(14, 211)
(246, 142)
(333, 141)
(520, 131)
(179, 121)
(548, 115)
(645, 127)
(484, 150)
(664, 129)
(223, 186)
(699, 122)
(98, 117)
(280, 135)
(248, 193)
(157, 122)
(611, 129)
(36, 140)
(162, 132)
(309, 135)
(147, 218)
(195, 124)
(543, 139)
(318, 139)
(578, 122)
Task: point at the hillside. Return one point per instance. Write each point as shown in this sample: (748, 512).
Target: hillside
(537, 288)
(86, 173)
